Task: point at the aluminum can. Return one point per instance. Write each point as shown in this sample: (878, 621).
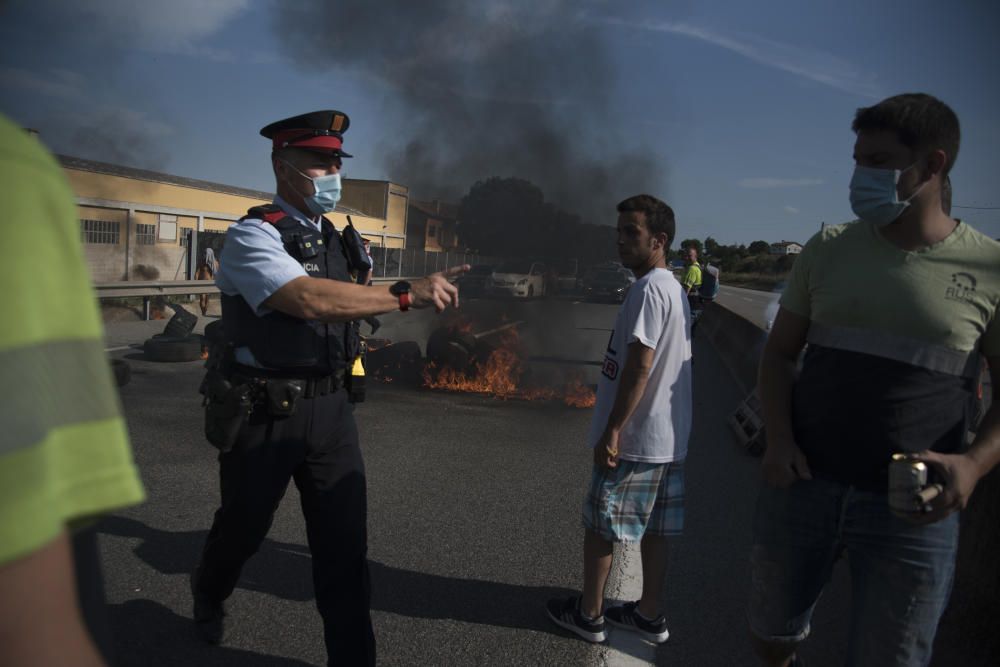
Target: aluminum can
(907, 478)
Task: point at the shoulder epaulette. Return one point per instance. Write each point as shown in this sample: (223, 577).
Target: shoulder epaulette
(269, 213)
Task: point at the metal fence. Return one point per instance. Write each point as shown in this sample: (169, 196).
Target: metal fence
(400, 262)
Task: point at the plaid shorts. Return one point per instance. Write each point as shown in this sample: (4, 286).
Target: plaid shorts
(626, 502)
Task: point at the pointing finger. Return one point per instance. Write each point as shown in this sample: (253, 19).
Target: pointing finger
(456, 271)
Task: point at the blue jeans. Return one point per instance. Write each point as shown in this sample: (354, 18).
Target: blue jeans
(901, 573)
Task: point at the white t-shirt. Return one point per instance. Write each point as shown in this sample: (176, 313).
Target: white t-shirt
(656, 314)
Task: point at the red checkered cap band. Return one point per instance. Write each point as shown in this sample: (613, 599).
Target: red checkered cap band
(306, 139)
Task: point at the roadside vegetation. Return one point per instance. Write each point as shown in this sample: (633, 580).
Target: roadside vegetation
(750, 266)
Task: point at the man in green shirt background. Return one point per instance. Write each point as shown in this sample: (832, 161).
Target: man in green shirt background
(692, 274)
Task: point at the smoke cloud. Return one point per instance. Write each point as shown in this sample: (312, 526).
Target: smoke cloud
(520, 88)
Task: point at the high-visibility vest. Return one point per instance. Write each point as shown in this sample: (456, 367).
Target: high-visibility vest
(64, 449)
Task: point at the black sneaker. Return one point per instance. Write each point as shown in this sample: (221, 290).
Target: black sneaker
(627, 616)
(565, 612)
(209, 616)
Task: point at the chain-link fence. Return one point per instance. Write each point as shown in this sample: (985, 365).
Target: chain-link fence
(390, 262)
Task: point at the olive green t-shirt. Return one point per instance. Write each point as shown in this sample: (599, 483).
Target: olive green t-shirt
(895, 339)
(64, 450)
(863, 292)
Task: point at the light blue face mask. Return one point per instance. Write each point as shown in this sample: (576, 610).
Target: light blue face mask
(874, 197)
(326, 195)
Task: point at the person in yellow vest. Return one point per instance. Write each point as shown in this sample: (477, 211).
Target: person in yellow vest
(64, 455)
(692, 274)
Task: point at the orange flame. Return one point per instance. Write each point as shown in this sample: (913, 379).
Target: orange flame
(500, 376)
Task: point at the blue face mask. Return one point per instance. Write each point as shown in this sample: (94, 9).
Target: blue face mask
(874, 197)
(327, 192)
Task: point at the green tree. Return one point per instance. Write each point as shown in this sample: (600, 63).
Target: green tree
(712, 246)
(687, 243)
(760, 248)
(501, 216)
(784, 263)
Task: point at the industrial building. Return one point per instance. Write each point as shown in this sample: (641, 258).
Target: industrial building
(135, 224)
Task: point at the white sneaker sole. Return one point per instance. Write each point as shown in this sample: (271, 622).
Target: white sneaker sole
(593, 637)
(656, 638)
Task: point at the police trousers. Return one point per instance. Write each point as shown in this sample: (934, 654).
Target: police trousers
(318, 447)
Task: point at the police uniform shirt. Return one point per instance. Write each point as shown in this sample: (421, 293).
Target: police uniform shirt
(255, 264)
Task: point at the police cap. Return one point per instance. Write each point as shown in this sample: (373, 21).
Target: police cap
(321, 131)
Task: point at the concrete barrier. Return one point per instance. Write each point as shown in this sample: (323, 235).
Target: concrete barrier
(737, 340)
(968, 633)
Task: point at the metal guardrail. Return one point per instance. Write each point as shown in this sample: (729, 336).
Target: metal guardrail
(133, 288)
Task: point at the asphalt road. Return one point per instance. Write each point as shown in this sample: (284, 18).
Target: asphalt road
(757, 306)
(474, 521)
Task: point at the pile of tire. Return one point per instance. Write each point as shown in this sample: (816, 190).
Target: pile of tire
(448, 348)
(162, 347)
(176, 343)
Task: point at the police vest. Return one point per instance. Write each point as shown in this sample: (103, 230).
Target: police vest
(285, 343)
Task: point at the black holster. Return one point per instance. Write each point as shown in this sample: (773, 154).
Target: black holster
(227, 408)
(282, 396)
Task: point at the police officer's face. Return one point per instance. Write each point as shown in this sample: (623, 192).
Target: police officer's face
(306, 165)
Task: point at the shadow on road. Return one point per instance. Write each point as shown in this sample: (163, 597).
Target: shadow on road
(283, 569)
(147, 634)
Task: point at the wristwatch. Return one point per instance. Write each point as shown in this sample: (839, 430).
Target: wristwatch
(401, 289)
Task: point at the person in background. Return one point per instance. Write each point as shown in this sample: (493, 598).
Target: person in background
(709, 283)
(691, 281)
(206, 271)
(65, 457)
(639, 433)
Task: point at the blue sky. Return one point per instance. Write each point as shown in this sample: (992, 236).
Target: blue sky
(746, 106)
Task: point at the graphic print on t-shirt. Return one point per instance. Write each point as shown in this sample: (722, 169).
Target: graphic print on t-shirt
(610, 367)
(962, 288)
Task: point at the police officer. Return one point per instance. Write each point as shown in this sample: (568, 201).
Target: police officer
(288, 333)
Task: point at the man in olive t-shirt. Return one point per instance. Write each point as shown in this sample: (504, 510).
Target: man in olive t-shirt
(896, 310)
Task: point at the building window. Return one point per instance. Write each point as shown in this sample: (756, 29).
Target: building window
(145, 234)
(100, 231)
(168, 227)
(186, 236)
(431, 232)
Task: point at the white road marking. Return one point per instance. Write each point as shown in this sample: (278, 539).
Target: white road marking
(116, 349)
(624, 648)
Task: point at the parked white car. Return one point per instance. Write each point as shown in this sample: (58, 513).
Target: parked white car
(519, 278)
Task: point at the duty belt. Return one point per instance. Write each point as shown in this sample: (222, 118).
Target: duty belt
(311, 386)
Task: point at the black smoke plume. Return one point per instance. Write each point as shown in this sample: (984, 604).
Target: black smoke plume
(479, 89)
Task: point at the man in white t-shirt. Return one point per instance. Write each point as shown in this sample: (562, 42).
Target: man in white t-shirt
(639, 431)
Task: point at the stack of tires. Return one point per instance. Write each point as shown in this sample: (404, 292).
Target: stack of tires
(176, 343)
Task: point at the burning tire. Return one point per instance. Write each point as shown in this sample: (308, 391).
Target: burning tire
(396, 362)
(451, 349)
(122, 371)
(172, 348)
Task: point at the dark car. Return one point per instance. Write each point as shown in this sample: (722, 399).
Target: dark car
(605, 285)
(474, 282)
